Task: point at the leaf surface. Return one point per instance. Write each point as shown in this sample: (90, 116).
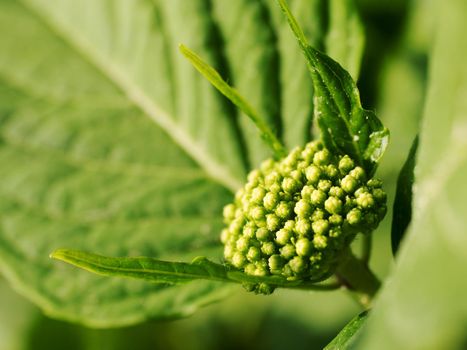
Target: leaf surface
(346, 336)
(423, 305)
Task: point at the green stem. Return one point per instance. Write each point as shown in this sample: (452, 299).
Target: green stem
(366, 249)
(358, 278)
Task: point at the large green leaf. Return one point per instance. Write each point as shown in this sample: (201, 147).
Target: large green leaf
(83, 166)
(423, 305)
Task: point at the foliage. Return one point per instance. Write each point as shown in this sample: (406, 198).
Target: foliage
(110, 142)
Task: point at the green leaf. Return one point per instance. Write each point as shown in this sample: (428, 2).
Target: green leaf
(347, 335)
(402, 209)
(87, 164)
(345, 126)
(423, 306)
(345, 39)
(170, 272)
(144, 268)
(220, 84)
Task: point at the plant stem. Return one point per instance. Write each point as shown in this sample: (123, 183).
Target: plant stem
(358, 278)
(366, 251)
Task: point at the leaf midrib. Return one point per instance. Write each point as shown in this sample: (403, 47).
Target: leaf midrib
(110, 70)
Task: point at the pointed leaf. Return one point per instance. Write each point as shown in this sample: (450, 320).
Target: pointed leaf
(348, 334)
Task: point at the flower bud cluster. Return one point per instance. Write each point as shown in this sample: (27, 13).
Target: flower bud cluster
(294, 217)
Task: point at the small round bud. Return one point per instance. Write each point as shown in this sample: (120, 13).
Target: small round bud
(276, 263)
(322, 157)
(238, 260)
(335, 219)
(303, 208)
(225, 234)
(346, 164)
(318, 214)
(283, 210)
(257, 213)
(333, 205)
(270, 200)
(249, 231)
(253, 254)
(331, 171)
(243, 244)
(307, 191)
(229, 251)
(275, 188)
(336, 192)
(379, 195)
(324, 185)
(302, 226)
(320, 242)
(349, 184)
(320, 227)
(283, 236)
(303, 247)
(229, 212)
(257, 195)
(374, 183)
(272, 222)
(365, 200)
(254, 176)
(267, 165)
(287, 251)
(317, 197)
(250, 269)
(268, 248)
(335, 232)
(313, 174)
(298, 265)
(354, 216)
(358, 173)
(289, 225)
(263, 234)
(272, 178)
(290, 185)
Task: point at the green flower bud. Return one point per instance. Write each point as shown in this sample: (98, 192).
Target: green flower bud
(346, 164)
(333, 205)
(302, 226)
(238, 260)
(258, 213)
(290, 185)
(298, 265)
(303, 208)
(313, 174)
(263, 234)
(322, 157)
(295, 216)
(320, 242)
(243, 244)
(349, 184)
(254, 254)
(354, 217)
(283, 210)
(324, 185)
(272, 222)
(365, 200)
(268, 248)
(270, 200)
(317, 197)
(303, 247)
(257, 195)
(336, 192)
(283, 236)
(229, 212)
(287, 251)
(276, 263)
(320, 227)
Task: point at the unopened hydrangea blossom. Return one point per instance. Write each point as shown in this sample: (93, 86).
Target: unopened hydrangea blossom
(294, 217)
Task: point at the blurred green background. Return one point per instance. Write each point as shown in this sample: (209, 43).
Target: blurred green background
(392, 83)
